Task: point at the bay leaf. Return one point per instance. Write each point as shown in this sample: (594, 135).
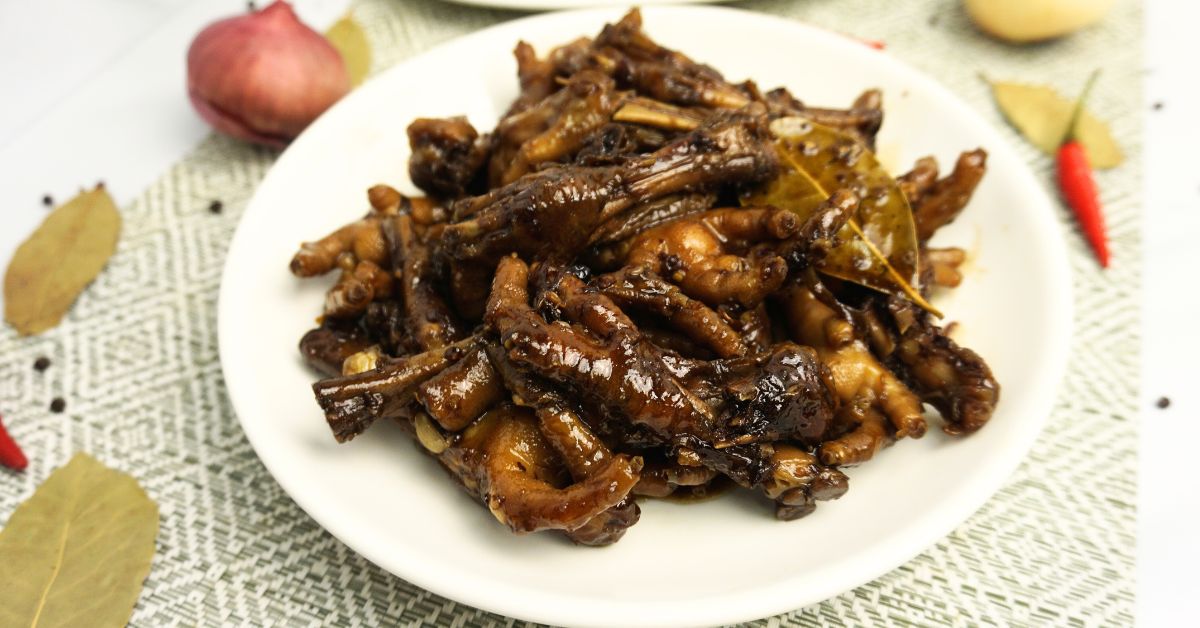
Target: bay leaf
(1041, 114)
(348, 38)
(878, 246)
(53, 266)
(77, 552)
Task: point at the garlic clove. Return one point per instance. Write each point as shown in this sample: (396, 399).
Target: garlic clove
(264, 76)
(1023, 21)
(428, 435)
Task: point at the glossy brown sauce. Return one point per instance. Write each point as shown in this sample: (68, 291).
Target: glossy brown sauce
(692, 494)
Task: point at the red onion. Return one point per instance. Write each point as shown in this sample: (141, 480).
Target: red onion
(264, 76)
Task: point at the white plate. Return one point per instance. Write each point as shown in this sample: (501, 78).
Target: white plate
(720, 561)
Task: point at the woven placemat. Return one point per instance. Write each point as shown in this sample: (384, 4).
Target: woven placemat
(136, 361)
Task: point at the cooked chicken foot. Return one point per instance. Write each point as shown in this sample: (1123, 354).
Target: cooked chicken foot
(361, 282)
(858, 378)
(582, 452)
(363, 238)
(447, 155)
(326, 348)
(462, 392)
(697, 253)
(352, 403)
(639, 287)
(431, 323)
(951, 378)
(503, 460)
(573, 202)
(621, 372)
(624, 51)
(947, 197)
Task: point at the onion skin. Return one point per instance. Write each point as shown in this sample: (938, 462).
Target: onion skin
(264, 76)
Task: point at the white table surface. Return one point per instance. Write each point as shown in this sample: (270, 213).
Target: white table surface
(105, 99)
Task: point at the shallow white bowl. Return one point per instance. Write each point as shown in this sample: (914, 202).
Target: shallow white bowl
(721, 561)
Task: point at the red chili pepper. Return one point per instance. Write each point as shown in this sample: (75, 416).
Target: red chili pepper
(870, 43)
(1077, 185)
(11, 456)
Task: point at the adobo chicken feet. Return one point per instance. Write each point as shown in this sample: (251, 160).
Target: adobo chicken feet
(700, 254)
(858, 380)
(504, 461)
(363, 238)
(951, 378)
(582, 452)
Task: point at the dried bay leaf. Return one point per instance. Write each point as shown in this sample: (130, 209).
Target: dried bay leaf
(878, 246)
(59, 260)
(1041, 114)
(78, 551)
(351, 42)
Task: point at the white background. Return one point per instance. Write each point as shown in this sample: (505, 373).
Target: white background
(96, 89)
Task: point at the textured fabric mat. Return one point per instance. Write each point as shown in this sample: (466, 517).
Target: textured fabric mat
(136, 361)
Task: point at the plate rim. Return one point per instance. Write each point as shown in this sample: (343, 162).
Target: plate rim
(740, 605)
(563, 6)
